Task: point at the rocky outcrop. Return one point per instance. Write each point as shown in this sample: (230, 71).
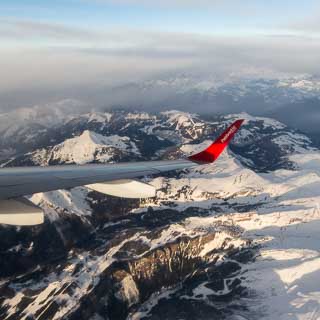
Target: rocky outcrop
(129, 282)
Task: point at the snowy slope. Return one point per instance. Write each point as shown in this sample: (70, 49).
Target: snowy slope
(280, 213)
(72, 202)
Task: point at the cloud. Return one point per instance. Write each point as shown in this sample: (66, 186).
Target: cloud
(238, 7)
(26, 29)
(84, 63)
(309, 26)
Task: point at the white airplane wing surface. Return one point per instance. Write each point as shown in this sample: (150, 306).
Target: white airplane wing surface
(112, 179)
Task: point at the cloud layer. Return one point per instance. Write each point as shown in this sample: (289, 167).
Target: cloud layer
(80, 63)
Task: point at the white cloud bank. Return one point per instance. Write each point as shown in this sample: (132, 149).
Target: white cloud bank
(72, 63)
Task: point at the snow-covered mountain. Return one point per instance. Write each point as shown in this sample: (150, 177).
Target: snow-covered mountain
(293, 87)
(234, 93)
(263, 143)
(235, 240)
(89, 147)
(26, 128)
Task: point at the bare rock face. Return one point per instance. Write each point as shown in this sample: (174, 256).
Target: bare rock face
(131, 281)
(127, 290)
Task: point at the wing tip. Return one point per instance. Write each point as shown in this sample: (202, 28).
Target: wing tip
(239, 123)
(212, 153)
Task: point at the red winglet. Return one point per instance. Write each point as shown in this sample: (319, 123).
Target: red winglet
(212, 153)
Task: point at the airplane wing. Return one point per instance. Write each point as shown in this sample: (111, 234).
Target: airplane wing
(112, 179)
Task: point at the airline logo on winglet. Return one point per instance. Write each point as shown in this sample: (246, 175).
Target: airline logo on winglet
(212, 153)
(229, 133)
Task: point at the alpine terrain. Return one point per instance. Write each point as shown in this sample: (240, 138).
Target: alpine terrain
(235, 240)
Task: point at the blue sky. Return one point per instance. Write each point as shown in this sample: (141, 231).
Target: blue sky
(219, 17)
(58, 47)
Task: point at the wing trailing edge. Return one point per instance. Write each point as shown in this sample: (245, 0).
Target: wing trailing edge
(213, 152)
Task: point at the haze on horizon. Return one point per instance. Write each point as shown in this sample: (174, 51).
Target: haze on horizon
(64, 49)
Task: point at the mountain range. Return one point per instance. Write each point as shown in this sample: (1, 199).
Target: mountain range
(234, 240)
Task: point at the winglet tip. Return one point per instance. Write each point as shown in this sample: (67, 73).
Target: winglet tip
(210, 154)
(239, 122)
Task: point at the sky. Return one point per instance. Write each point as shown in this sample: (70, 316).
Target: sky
(64, 48)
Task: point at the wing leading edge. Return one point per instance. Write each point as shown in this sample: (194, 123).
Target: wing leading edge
(18, 182)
